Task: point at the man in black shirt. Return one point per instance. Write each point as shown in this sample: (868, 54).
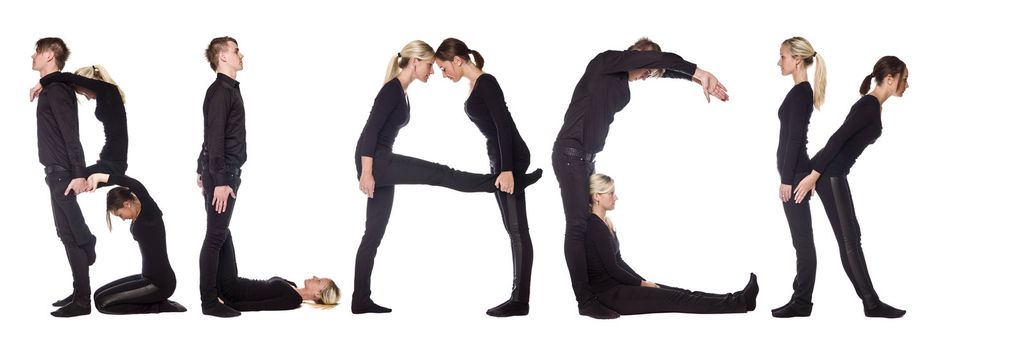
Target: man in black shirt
(60, 152)
(219, 166)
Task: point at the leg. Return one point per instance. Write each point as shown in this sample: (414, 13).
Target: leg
(131, 295)
(72, 232)
(799, 220)
(514, 214)
(210, 253)
(397, 169)
(633, 300)
(379, 209)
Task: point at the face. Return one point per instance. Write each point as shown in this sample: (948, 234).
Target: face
(421, 69)
(788, 62)
(901, 84)
(232, 57)
(316, 283)
(40, 58)
(89, 94)
(606, 201)
(641, 74)
(128, 211)
(452, 70)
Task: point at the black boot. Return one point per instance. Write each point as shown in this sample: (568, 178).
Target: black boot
(509, 308)
(794, 308)
(884, 311)
(750, 292)
(170, 306)
(527, 179)
(77, 307)
(595, 309)
(220, 310)
(368, 307)
(65, 301)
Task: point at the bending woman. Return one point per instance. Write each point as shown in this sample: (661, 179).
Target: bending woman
(379, 170)
(507, 154)
(861, 127)
(617, 286)
(149, 291)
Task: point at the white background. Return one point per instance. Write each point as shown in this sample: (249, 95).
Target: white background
(938, 195)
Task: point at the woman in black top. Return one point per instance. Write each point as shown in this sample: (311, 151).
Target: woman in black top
(617, 286)
(861, 127)
(507, 154)
(149, 291)
(391, 111)
(276, 293)
(796, 54)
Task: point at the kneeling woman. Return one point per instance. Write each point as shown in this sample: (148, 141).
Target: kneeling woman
(147, 292)
(618, 287)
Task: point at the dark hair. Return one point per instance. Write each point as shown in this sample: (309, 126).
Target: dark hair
(451, 48)
(216, 46)
(57, 46)
(116, 199)
(887, 65)
(644, 44)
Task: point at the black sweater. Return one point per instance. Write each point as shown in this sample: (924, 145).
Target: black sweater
(57, 129)
(391, 112)
(606, 269)
(603, 91)
(148, 231)
(110, 110)
(861, 128)
(275, 293)
(224, 130)
(486, 107)
(794, 114)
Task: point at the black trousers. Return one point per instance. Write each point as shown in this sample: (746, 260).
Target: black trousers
(633, 300)
(395, 169)
(799, 220)
(572, 173)
(836, 197)
(217, 240)
(78, 241)
(134, 294)
(513, 208)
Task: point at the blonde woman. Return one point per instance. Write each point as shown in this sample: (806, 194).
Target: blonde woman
(617, 286)
(379, 170)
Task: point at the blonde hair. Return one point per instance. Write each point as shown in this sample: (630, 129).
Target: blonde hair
(801, 48)
(601, 184)
(414, 49)
(97, 72)
(328, 297)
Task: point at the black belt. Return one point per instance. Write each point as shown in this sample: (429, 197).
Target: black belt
(54, 168)
(227, 171)
(573, 152)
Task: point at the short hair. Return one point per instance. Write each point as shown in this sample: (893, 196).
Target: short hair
(57, 46)
(217, 45)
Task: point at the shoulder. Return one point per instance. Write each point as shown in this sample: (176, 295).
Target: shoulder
(392, 88)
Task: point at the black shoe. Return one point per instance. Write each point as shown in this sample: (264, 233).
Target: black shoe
(171, 306)
(750, 292)
(794, 308)
(595, 309)
(90, 250)
(65, 301)
(531, 178)
(74, 308)
(509, 308)
(368, 307)
(885, 311)
(220, 310)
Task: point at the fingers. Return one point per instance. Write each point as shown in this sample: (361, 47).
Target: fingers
(232, 192)
(370, 193)
(70, 186)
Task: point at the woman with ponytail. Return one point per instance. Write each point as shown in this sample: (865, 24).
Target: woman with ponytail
(796, 55)
(379, 170)
(830, 168)
(508, 155)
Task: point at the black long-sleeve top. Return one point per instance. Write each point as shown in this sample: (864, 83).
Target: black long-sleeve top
(110, 110)
(57, 129)
(861, 128)
(224, 130)
(606, 269)
(148, 231)
(794, 114)
(603, 91)
(391, 112)
(275, 293)
(486, 107)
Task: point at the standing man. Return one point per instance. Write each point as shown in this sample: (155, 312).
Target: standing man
(218, 168)
(60, 152)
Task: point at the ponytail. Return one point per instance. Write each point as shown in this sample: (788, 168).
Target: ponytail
(802, 49)
(97, 72)
(885, 66)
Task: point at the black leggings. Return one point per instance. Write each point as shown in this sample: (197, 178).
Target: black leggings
(133, 295)
(836, 197)
(633, 300)
(394, 169)
(513, 208)
(799, 220)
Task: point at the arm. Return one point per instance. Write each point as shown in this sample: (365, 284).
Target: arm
(598, 234)
(497, 109)
(799, 110)
(625, 61)
(386, 101)
(101, 88)
(137, 187)
(623, 264)
(215, 116)
(858, 119)
(64, 109)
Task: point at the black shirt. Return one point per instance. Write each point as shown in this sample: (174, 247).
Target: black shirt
(391, 112)
(148, 231)
(110, 110)
(224, 130)
(794, 114)
(486, 107)
(603, 91)
(606, 269)
(57, 129)
(861, 128)
(255, 295)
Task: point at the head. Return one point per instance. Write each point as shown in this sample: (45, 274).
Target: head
(602, 191)
(224, 52)
(50, 55)
(121, 202)
(417, 56)
(328, 291)
(890, 74)
(644, 44)
(451, 57)
(797, 54)
(95, 72)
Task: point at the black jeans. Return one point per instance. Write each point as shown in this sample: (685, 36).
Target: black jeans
(572, 173)
(395, 169)
(78, 242)
(836, 197)
(134, 294)
(799, 220)
(633, 300)
(217, 239)
(513, 208)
